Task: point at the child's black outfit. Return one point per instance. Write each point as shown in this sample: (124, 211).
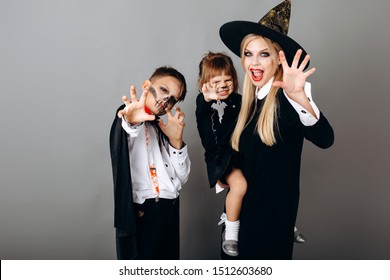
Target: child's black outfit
(216, 121)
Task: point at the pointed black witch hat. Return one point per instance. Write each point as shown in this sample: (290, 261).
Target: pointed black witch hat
(274, 26)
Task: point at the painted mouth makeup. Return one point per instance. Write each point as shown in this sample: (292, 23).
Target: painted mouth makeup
(256, 74)
(161, 105)
(224, 90)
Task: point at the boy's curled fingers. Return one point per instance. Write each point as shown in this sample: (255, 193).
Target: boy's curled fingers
(122, 112)
(180, 116)
(179, 113)
(125, 100)
(143, 96)
(169, 112)
(133, 93)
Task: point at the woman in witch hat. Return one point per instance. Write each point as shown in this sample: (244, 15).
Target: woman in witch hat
(277, 114)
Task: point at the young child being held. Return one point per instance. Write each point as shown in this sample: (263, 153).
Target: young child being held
(217, 108)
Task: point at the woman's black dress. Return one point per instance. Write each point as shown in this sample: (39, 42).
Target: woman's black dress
(270, 205)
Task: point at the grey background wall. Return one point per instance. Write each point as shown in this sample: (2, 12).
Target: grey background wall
(65, 64)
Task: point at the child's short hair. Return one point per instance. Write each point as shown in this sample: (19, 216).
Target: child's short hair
(214, 64)
(165, 71)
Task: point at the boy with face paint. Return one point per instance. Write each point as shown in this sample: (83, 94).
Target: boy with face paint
(150, 164)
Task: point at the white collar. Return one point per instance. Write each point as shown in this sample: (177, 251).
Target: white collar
(261, 93)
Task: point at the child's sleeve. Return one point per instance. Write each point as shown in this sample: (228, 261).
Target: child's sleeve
(181, 162)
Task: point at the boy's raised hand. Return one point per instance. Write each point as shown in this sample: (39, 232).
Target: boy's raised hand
(174, 127)
(209, 92)
(134, 112)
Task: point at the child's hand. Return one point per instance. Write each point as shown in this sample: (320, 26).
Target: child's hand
(209, 92)
(174, 127)
(134, 112)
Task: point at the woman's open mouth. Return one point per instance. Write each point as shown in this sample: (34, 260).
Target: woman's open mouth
(256, 74)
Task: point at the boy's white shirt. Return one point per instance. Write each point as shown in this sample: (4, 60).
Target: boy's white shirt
(173, 166)
(306, 118)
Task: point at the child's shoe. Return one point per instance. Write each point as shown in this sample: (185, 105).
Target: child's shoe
(298, 237)
(230, 247)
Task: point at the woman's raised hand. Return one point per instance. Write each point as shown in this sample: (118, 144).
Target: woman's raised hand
(294, 77)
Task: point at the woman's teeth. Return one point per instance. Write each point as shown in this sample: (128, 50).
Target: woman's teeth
(257, 75)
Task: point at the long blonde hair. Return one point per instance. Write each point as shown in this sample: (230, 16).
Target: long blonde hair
(267, 121)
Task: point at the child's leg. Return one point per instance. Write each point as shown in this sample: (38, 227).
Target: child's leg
(238, 186)
(237, 183)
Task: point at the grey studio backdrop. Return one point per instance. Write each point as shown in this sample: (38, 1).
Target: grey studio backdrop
(64, 66)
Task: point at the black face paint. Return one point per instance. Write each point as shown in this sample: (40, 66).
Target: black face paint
(153, 92)
(162, 104)
(223, 88)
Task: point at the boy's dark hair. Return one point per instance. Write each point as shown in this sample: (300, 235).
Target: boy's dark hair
(214, 64)
(165, 71)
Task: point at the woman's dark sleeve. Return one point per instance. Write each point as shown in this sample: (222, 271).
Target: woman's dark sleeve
(321, 133)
